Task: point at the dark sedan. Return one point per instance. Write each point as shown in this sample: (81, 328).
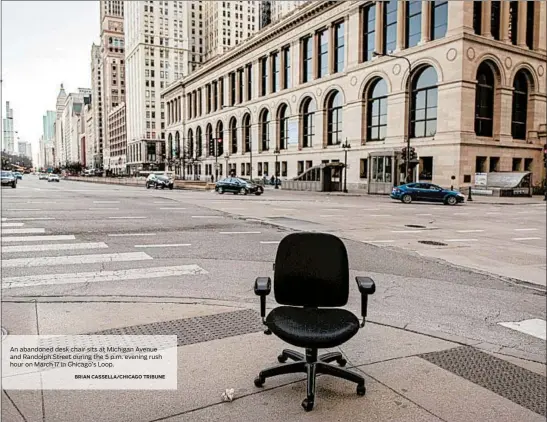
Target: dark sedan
(237, 185)
(8, 179)
(159, 182)
(426, 192)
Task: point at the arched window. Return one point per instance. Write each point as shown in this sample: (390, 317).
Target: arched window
(264, 122)
(190, 147)
(484, 101)
(334, 118)
(170, 143)
(209, 139)
(283, 126)
(520, 105)
(233, 135)
(199, 142)
(246, 123)
(176, 147)
(220, 139)
(376, 97)
(423, 106)
(308, 128)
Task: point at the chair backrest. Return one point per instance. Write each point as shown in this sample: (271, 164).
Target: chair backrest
(311, 269)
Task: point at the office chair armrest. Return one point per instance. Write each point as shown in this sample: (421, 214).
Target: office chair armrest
(263, 287)
(367, 287)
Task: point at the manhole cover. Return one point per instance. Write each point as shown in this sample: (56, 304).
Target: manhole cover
(432, 243)
(415, 226)
(4, 333)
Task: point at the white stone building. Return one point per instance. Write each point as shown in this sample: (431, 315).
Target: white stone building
(8, 132)
(118, 140)
(465, 82)
(281, 8)
(97, 105)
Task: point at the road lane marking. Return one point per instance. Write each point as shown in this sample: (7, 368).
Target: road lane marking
(172, 208)
(534, 327)
(207, 216)
(380, 215)
(167, 245)
(25, 209)
(106, 202)
(101, 276)
(525, 230)
(130, 234)
(377, 241)
(54, 247)
(38, 238)
(370, 209)
(30, 218)
(470, 231)
(126, 218)
(328, 216)
(232, 209)
(493, 213)
(407, 231)
(23, 231)
(12, 224)
(461, 213)
(461, 240)
(41, 202)
(74, 259)
(423, 214)
(526, 238)
(279, 209)
(239, 232)
(102, 209)
(270, 242)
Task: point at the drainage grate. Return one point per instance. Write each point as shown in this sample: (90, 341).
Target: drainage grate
(415, 226)
(517, 384)
(197, 329)
(432, 243)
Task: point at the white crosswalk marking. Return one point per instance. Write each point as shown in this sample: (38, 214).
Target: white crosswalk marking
(54, 247)
(29, 218)
(38, 238)
(12, 224)
(101, 276)
(534, 327)
(22, 231)
(74, 259)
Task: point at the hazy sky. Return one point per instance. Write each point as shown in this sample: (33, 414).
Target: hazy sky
(44, 44)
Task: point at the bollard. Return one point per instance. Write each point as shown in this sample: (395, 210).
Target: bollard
(469, 197)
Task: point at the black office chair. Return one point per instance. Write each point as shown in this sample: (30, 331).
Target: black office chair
(311, 278)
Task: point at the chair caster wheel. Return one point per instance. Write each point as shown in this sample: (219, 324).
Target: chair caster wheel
(307, 404)
(342, 362)
(361, 390)
(282, 358)
(259, 381)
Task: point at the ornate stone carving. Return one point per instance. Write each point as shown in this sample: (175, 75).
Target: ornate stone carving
(541, 70)
(293, 98)
(396, 69)
(451, 55)
(471, 53)
(353, 81)
(508, 62)
(318, 92)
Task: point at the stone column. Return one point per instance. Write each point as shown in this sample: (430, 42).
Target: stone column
(504, 22)
(379, 21)
(486, 22)
(502, 113)
(314, 53)
(460, 17)
(426, 22)
(332, 44)
(401, 25)
(521, 24)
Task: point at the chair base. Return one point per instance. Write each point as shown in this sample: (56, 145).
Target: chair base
(311, 364)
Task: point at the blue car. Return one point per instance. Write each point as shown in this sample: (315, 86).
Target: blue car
(426, 192)
(18, 175)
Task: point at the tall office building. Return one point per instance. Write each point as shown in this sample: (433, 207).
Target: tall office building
(112, 65)
(45, 152)
(24, 149)
(58, 150)
(97, 106)
(157, 53)
(228, 23)
(280, 8)
(8, 133)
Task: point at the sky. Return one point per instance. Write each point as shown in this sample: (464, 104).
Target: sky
(44, 44)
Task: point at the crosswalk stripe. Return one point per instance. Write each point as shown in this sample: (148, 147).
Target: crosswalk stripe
(12, 224)
(101, 276)
(22, 231)
(30, 218)
(74, 259)
(54, 247)
(534, 327)
(38, 238)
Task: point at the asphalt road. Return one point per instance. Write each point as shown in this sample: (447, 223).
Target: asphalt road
(127, 242)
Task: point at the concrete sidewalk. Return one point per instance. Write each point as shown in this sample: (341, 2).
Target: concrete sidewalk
(410, 376)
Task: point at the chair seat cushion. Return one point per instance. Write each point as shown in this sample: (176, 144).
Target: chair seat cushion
(312, 328)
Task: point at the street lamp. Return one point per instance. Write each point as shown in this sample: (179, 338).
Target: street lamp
(276, 152)
(408, 119)
(226, 156)
(346, 147)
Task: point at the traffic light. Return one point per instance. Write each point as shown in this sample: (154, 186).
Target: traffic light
(220, 147)
(211, 146)
(403, 154)
(413, 155)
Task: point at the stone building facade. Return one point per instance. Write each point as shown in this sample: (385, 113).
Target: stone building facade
(465, 81)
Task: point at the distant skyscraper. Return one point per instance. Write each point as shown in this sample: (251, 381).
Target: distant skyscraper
(280, 8)
(97, 106)
(8, 132)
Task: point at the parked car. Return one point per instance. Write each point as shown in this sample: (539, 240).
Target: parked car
(426, 192)
(159, 181)
(53, 178)
(18, 175)
(8, 179)
(237, 185)
(43, 176)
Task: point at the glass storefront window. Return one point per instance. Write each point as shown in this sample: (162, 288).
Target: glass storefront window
(381, 169)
